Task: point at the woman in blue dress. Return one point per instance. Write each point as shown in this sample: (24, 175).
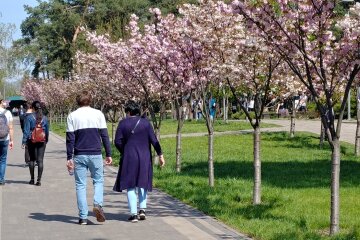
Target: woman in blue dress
(134, 137)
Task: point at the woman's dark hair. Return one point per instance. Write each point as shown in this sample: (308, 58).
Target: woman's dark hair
(84, 99)
(132, 107)
(36, 106)
(27, 105)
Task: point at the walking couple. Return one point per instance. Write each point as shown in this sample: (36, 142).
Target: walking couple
(86, 130)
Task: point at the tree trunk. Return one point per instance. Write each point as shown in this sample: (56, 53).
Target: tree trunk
(292, 123)
(224, 105)
(257, 167)
(227, 109)
(173, 111)
(357, 136)
(335, 186)
(112, 132)
(156, 157)
(322, 135)
(180, 117)
(190, 112)
(211, 158)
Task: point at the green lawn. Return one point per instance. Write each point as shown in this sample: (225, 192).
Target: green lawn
(295, 185)
(170, 126)
(295, 178)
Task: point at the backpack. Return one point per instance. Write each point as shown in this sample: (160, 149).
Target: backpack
(4, 127)
(38, 134)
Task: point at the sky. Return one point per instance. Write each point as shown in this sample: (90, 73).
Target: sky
(12, 11)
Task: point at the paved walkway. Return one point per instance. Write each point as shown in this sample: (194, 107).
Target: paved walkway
(348, 128)
(49, 212)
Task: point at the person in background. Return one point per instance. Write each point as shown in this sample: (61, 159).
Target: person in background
(36, 148)
(302, 102)
(21, 110)
(133, 138)
(199, 108)
(281, 109)
(6, 141)
(86, 130)
(28, 111)
(212, 108)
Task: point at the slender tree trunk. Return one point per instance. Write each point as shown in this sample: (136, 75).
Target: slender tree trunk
(51, 116)
(211, 158)
(292, 119)
(335, 187)
(180, 117)
(224, 105)
(227, 109)
(156, 157)
(322, 135)
(257, 167)
(357, 136)
(112, 132)
(178, 149)
(173, 111)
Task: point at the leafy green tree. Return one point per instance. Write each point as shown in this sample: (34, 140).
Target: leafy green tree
(7, 68)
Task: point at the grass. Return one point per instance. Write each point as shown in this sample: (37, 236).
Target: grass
(295, 185)
(170, 126)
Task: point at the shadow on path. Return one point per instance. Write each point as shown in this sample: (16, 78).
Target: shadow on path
(54, 218)
(16, 182)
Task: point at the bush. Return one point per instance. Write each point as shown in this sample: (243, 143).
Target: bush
(241, 115)
(237, 115)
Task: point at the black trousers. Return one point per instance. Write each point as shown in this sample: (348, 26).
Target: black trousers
(36, 153)
(27, 155)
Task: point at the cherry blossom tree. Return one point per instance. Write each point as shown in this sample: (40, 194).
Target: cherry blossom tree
(164, 53)
(212, 28)
(302, 32)
(124, 65)
(256, 75)
(32, 90)
(235, 57)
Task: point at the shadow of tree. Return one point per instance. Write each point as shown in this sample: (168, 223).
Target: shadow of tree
(281, 174)
(261, 211)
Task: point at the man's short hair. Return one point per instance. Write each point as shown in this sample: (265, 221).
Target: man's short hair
(84, 99)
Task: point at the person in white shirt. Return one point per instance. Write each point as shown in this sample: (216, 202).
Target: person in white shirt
(302, 102)
(6, 142)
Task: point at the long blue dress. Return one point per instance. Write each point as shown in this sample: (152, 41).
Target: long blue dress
(135, 168)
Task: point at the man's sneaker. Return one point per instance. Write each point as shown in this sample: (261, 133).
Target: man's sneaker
(99, 213)
(142, 215)
(133, 218)
(83, 221)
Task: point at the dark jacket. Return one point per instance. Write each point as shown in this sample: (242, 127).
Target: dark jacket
(135, 168)
(29, 125)
(22, 118)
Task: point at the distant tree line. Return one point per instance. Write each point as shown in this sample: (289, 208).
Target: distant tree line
(51, 33)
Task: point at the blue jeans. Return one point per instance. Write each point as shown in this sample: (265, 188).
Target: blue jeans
(95, 165)
(132, 200)
(3, 155)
